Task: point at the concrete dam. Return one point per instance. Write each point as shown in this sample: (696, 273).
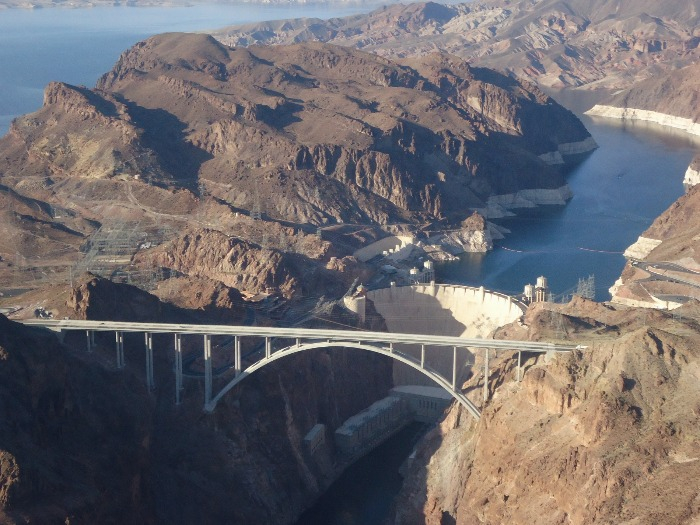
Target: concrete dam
(438, 309)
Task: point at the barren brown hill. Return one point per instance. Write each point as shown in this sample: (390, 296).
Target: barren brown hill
(599, 44)
(319, 133)
(676, 94)
(185, 133)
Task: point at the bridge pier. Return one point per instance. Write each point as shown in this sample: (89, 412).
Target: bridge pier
(207, 369)
(148, 337)
(237, 356)
(178, 368)
(119, 336)
(486, 375)
(454, 368)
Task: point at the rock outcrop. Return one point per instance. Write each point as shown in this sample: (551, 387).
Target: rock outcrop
(692, 174)
(605, 435)
(664, 270)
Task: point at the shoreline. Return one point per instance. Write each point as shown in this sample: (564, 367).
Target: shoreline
(644, 115)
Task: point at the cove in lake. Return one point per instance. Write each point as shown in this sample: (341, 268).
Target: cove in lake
(635, 174)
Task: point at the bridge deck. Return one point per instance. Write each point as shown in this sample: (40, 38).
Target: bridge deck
(300, 333)
(305, 339)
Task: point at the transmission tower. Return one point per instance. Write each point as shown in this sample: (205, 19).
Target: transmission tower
(586, 287)
(256, 211)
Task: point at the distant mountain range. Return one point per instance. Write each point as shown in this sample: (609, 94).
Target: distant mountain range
(597, 44)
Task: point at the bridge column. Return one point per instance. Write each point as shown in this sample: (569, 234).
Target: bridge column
(454, 368)
(422, 356)
(178, 367)
(268, 348)
(119, 336)
(518, 377)
(486, 375)
(237, 355)
(207, 369)
(90, 340)
(148, 337)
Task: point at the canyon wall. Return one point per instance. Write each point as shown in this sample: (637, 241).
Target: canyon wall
(605, 435)
(81, 441)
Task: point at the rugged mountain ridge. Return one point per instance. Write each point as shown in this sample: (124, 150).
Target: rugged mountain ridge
(182, 109)
(600, 44)
(186, 134)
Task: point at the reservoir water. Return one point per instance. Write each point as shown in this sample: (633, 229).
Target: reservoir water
(618, 190)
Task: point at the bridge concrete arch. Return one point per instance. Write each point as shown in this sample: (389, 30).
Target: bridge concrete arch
(388, 351)
(384, 343)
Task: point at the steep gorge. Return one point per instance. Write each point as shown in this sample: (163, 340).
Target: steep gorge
(84, 442)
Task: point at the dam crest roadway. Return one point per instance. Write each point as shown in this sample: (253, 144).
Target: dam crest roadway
(388, 344)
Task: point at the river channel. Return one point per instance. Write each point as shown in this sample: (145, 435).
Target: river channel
(618, 190)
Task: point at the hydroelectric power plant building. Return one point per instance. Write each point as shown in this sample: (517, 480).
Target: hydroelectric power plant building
(374, 424)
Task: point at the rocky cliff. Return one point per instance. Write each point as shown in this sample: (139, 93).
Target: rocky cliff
(83, 442)
(664, 270)
(599, 44)
(675, 95)
(605, 435)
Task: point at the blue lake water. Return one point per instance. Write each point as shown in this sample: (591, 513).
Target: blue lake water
(618, 191)
(78, 45)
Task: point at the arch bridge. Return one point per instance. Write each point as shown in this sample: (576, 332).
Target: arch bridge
(275, 344)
